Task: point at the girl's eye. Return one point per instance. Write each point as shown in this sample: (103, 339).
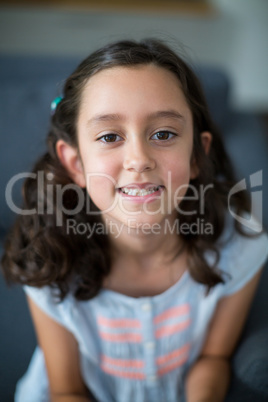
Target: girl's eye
(109, 138)
(163, 135)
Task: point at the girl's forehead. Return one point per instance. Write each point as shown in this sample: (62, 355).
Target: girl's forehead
(136, 83)
(138, 69)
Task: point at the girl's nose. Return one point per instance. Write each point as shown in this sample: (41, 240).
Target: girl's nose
(138, 158)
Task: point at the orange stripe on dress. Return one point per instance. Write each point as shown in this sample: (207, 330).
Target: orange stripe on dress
(172, 312)
(171, 329)
(118, 322)
(136, 364)
(172, 366)
(125, 374)
(128, 337)
(173, 355)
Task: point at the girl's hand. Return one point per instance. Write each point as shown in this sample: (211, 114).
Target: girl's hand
(61, 357)
(69, 398)
(208, 379)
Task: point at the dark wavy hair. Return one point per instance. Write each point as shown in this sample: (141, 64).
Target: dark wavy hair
(39, 252)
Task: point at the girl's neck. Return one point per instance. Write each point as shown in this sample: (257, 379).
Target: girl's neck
(145, 264)
(144, 246)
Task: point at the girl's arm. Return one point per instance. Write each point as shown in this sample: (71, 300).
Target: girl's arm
(208, 379)
(61, 356)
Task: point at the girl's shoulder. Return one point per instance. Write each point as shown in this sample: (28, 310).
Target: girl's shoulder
(46, 298)
(241, 254)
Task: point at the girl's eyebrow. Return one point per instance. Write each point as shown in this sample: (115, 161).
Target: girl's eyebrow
(105, 117)
(171, 114)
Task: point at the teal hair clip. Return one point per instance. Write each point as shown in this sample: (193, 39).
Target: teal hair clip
(55, 103)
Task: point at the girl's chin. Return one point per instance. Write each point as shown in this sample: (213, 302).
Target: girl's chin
(149, 224)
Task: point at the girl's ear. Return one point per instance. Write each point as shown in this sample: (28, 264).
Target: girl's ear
(206, 139)
(70, 159)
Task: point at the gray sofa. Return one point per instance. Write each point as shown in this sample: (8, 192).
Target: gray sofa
(27, 86)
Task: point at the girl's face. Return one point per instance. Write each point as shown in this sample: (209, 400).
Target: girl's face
(135, 137)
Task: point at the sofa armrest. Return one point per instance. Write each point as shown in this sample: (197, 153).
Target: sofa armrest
(250, 361)
(17, 336)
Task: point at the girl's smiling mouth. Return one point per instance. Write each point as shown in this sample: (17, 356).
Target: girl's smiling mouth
(140, 191)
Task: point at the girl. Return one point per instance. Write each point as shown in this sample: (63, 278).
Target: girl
(138, 278)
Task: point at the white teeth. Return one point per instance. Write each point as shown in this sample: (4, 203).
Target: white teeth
(139, 192)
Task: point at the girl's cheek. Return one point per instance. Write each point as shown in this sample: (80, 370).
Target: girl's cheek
(178, 171)
(178, 180)
(101, 190)
(103, 165)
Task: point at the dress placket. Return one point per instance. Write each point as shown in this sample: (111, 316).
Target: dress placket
(149, 349)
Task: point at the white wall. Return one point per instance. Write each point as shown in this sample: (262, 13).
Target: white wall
(233, 37)
(249, 57)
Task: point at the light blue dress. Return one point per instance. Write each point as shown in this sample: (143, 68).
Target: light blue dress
(140, 349)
